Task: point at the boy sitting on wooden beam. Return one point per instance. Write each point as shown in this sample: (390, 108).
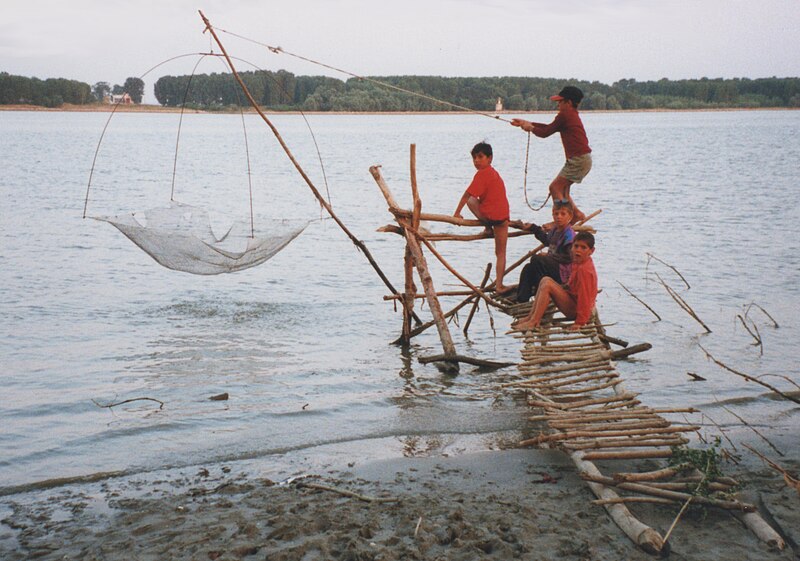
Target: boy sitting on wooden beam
(486, 198)
(576, 299)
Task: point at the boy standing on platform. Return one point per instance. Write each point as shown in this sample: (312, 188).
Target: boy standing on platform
(486, 198)
(576, 146)
(577, 299)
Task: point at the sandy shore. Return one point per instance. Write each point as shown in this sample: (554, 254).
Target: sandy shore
(515, 504)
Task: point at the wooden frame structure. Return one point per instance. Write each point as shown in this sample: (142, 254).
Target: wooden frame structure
(408, 222)
(570, 375)
(408, 226)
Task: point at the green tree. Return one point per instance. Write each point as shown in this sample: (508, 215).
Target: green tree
(612, 103)
(595, 101)
(283, 90)
(100, 90)
(135, 89)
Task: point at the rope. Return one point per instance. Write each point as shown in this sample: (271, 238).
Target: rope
(177, 140)
(279, 50)
(180, 124)
(525, 179)
(246, 145)
(108, 121)
(305, 119)
(247, 154)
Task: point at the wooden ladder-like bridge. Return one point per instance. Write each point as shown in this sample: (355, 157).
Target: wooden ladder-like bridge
(572, 378)
(590, 415)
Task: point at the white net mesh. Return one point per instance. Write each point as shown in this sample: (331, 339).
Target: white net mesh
(181, 238)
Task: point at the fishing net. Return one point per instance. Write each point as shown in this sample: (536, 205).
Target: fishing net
(181, 238)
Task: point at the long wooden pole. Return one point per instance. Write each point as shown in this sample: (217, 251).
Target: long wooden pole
(475, 304)
(408, 259)
(421, 264)
(510, 268)
(415, 217)
(408, 298)
(433, 302)
(358, 243)
(458, 275)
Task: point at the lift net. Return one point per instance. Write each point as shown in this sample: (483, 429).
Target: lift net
(181, 238)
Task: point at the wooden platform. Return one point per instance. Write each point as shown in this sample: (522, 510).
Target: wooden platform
(572, 378)
(587, 412)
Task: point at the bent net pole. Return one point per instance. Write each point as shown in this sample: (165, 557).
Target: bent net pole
(358, 243)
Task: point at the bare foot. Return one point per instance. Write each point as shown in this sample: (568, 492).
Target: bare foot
(503, 289)
(577, 216)
(524, 326)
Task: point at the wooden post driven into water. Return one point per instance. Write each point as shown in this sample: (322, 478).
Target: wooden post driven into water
(415, 251)
(408, 226)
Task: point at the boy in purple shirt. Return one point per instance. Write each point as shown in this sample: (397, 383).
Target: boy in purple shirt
(557, 261)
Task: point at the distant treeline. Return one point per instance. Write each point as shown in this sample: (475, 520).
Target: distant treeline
(283, 90)
(52, 92)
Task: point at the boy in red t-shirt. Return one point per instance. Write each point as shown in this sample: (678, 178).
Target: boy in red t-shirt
(576, 146)
(486, 198)
(576, 299)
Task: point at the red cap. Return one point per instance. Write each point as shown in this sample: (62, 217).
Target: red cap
(569, 92)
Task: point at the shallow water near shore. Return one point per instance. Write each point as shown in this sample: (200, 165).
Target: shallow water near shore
(302, 344)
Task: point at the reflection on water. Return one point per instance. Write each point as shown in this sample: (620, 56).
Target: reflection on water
(302, 343)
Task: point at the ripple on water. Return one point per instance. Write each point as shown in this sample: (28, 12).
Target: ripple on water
(301, 343)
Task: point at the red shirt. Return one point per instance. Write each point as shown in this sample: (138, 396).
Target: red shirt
(573, 135)
(487, 186)
(582, 286)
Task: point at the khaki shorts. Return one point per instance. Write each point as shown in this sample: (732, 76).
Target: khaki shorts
(576, 168)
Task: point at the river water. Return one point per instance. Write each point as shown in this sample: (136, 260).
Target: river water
(302, 344)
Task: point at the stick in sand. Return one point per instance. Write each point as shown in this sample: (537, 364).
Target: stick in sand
(757, 336)
(748, 377)
(748, 425)
(346, 493)
(686, 504)
(790, 481)
(795, 384)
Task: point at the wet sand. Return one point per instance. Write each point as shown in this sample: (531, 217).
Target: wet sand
(514, 504)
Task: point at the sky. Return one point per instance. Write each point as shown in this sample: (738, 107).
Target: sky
(595, 40)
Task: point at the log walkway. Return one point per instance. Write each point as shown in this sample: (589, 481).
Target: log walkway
(590, 415)
(572, 378)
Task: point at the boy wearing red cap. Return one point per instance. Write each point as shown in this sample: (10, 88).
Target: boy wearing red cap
(576, 146)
